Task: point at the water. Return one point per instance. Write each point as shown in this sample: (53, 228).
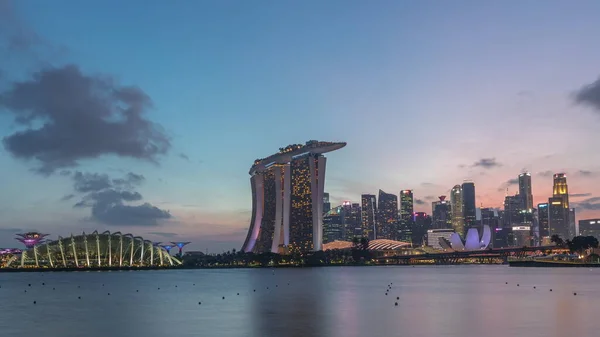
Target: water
(452, 301)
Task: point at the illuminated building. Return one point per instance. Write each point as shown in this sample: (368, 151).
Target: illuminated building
(288, 199)
(559, 213)
(326, 203)
(333, 226)
(180, 245)
(469, 208)
(525, 193)
(488, 217)
(378, 244)
(590, 227)
(512, 210)
(369, 215)
(503, 237)
(351, 218)
(434, 236)
(521, 236)
(573, 228)
(167, 248)
(387, 222)
(406, 205)
(441, 214)
(472, 241)
(31, 239)
(456, 204)
(543, 220)
(96, 251)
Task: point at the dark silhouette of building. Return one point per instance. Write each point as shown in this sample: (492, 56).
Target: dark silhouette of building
(512, 210)
(387, 215)
(441, 214)
(544, 228)
(369, 215)
(525, 191)
(326, 203)
(502, 237)
(489, 218)
(590, 227)
(422, 223)
(469, 206)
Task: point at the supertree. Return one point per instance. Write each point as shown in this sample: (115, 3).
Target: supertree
(167, 248)
(180, 245)
(31, 239)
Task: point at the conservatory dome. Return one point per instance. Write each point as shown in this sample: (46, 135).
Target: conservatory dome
(96, 250)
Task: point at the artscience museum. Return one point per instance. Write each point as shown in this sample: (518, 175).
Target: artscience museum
(473, 240)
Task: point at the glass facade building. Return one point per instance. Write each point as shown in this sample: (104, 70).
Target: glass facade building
(387, 222)
(369, 215)
(469, 206)
(456, 204)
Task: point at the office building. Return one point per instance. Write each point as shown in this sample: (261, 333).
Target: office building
(333, 227)
(590, 227)
(326, 203)
(559, 212)
(489, 218)
(441, 214)
(573, 226)
(287, 199)
(502, 237)
(456, 204)
(434, 236)
(387, 222)
(512, 210)
(542, 210)
(521, 236)
(406, 205)
(351, 220)
(525, 193)
(469, 208)
(369, 215)
(421, 224)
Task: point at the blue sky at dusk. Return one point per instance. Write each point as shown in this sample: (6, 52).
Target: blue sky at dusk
(425, 93)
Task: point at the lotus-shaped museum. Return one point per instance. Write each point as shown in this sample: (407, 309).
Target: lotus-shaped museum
(473, 241)
(96, 250)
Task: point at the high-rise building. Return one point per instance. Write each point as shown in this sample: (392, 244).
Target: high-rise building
(326, 203)
(442, 214)
(369, 215)
(287, 199)
(422, 223)
(558, 218)
(512, 210)
(435, 235)
(525, 193)
(387, 222)
(503, 237)
(543, 220)
(573, 227)
(590, 227)
(456, 205)
(333, 227)
(489, 218)
(560, 221)
(469, 206)
(351, 220)
(406, 205)
(521, 236)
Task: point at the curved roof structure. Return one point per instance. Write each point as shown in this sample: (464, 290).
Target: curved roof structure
(379, 244)
(286, 154)
(96, 251)
(472, 242)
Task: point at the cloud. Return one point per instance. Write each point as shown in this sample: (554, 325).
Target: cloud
(545, 174)
(184, 156)
(508, 183)
(164, 234)
(585, 173)
(419, 202)
(67, 197)
(430, 197)
(579, 195)
(486, 163)
(68, 116)
(108, 200)
(589, 95)
(16, 35)
(591, 204)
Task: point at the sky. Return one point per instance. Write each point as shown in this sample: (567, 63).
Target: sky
(144, 116)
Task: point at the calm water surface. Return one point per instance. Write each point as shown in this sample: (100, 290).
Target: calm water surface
(453, 301)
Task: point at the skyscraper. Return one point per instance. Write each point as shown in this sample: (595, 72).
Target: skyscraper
(442, 214)
(333, 228)
(456, 204)
(525, 191)
(387, 222)
(512, 210)
(543, 220)
(469, 206)
(369, 215)
(351, 220)
(326, 203)
(560, 219)
(406, 205)
(287, 199)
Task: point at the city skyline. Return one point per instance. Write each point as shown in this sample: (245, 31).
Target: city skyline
(423, 100)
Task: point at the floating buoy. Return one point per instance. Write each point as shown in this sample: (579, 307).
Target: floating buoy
(43, 283)
(108, 294)
(254, 290)
(238, 294)
(506, 283)
(517, 284)
(550, 289)
(533, 287)
(34, 302)
(223, 297)
(79, 297)
(30, 284)
(397, 298)
(199, 303)
(574, 294)
(396, 304)
(53, 288)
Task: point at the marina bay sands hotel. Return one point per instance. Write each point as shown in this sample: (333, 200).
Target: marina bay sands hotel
(287, 199)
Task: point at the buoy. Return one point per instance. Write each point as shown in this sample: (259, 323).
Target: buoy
(517, 284)
(34, 302)
(30, 284)
(506, 283)
(385, 294)
(199, 303)
(254, 290)
(396, 303)
(79, 297)
(108, 294)
(53, 288)
(574, 294)
(238, 294)
(137, 291)
(175, 286)
(550, 289)
(223, 297)
(158, 288)
(533, 287)
(397, 298)
(25, 290)
(43, 283)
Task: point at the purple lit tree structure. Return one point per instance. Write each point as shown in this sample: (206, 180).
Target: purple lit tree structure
(31, 239)
(180, 245)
